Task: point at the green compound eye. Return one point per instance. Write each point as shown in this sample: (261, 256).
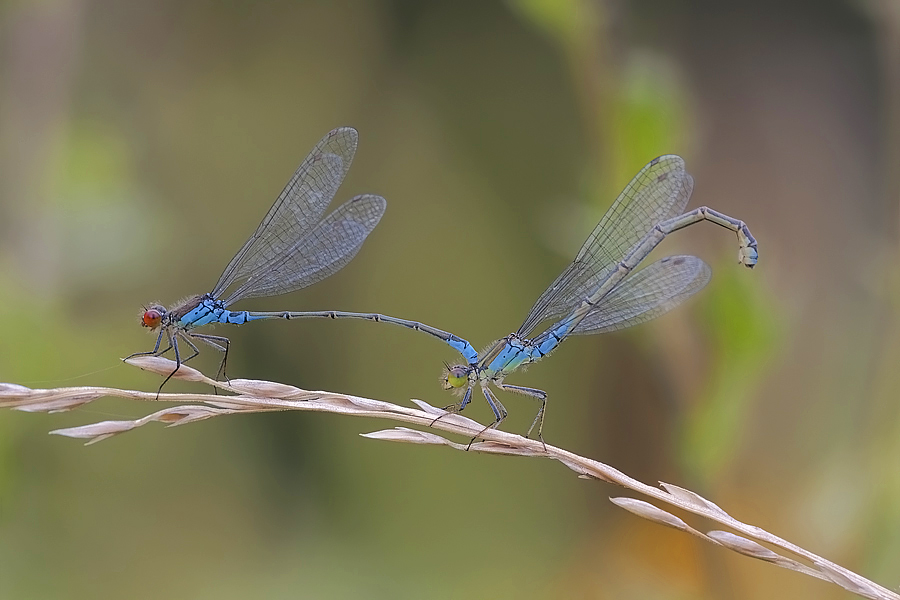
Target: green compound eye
(457, 377)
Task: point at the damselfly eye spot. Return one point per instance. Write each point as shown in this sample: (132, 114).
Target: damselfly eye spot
(457, 377)
(151, 318)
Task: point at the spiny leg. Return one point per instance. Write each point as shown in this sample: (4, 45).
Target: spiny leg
(500, 412)
(215, 341)
(458, 408)
(534, 393)
(187, 339)
(453, 409)
(173, 341)
(155, 351)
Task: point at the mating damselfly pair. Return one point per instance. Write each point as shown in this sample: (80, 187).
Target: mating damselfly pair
(294, 247)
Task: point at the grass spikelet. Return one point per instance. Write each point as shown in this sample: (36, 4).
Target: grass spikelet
(252, 396)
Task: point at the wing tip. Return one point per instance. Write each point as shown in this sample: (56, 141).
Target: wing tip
(344, 130)
(341, 141)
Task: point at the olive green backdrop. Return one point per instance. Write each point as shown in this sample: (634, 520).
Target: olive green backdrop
(142, 142)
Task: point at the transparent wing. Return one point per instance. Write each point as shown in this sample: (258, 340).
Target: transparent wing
(658, 192)
(297, 209)
(647, 294)
(319, 254)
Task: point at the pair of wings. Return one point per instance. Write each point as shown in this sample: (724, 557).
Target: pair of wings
(658, 192)
(294, 247)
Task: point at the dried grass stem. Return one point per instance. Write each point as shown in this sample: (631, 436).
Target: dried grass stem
(251, 396)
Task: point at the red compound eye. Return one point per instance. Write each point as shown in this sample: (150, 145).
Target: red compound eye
(151, 318)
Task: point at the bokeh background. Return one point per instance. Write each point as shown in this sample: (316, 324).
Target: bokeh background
(141, 142)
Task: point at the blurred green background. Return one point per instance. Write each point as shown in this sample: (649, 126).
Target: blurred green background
(142, 142)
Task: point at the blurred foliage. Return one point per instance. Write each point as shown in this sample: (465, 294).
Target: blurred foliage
(743, 335)
(141, 142)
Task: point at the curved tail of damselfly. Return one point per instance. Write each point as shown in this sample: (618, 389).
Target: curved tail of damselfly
(591, 308)
(600, 290)
(600, 312)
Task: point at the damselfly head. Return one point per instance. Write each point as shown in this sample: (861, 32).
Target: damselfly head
(153, 316)
(455, 377)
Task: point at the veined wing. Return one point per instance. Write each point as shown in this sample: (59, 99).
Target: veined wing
(658, 192)
(296, 211)
(321, 253)
(647, 294)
